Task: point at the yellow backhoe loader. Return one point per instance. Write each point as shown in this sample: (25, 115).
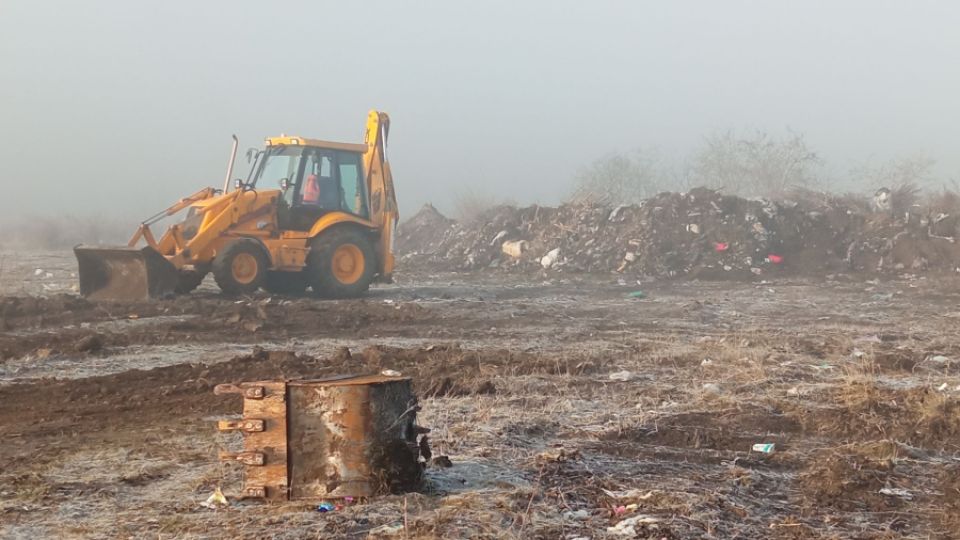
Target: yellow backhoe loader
(311, 214)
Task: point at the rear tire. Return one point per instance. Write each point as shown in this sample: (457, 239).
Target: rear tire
(341, 263)
(241, 267)
(288, 283)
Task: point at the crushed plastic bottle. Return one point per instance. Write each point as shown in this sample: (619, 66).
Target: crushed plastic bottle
(765, 448)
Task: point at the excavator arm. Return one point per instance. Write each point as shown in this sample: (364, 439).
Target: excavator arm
(144, 232)
(383, 199)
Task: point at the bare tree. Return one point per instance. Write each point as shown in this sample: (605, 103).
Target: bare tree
(757, 165)
(619, 179)
(912, 170)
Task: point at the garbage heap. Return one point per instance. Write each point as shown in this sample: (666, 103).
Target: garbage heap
(913, 239)
(702, 233)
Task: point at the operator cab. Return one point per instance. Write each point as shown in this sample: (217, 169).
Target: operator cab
(315, 178)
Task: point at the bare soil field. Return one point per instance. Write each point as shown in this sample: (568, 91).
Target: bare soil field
(567, 407)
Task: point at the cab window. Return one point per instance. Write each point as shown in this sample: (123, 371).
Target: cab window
(279, 163)
(352, 185)
(319, 186)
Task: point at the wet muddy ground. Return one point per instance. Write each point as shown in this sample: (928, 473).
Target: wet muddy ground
(567, 408)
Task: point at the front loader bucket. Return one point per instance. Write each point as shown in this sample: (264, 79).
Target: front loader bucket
(124, 273)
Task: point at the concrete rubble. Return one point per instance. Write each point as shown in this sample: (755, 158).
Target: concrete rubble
(699, 234)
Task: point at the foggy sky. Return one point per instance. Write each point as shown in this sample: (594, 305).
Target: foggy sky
(121, 107)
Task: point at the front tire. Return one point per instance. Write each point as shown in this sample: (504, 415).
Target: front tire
(240, 268)
(341, 263)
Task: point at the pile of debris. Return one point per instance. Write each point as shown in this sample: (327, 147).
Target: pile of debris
(415, 235)
(701, 233)
(909, 238)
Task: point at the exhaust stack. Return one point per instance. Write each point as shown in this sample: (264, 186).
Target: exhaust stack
(233, 158)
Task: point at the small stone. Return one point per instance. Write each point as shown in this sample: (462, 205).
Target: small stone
(90, 343)
(711, 388)
(442, 462)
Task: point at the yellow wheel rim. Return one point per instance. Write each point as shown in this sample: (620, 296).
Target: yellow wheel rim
(348, 264)
(244, 268)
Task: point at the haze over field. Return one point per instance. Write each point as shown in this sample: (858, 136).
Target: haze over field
(118, 108)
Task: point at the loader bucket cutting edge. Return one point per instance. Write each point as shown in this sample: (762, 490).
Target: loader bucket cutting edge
(124, 273)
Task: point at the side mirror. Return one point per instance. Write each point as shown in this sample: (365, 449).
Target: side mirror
(284, 184)
(238, 184)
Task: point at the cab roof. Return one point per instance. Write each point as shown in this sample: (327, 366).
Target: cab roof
(293, 140)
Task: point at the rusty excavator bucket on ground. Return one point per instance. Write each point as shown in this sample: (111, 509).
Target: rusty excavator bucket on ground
(124, 273)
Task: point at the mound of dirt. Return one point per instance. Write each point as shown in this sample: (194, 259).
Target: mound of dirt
(142, 395)
(449, 370)
(726, 430)
(136, 396)
(848, 483)
(918, 416)
(419, 233)
(188, 318)
(21, 311)
(701, 233)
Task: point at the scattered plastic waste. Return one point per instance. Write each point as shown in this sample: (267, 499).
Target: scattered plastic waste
(391, 373)
(628, 527)
(325, 507)
(215, 500)
(637, 294)
(622, 376)
(774, 259)
(765, 448)
(943, 387)
(939, 358)
(38, 272)
(577, 515)
(632, 494)
(550, 258)
(897, 492)
(720, 247)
